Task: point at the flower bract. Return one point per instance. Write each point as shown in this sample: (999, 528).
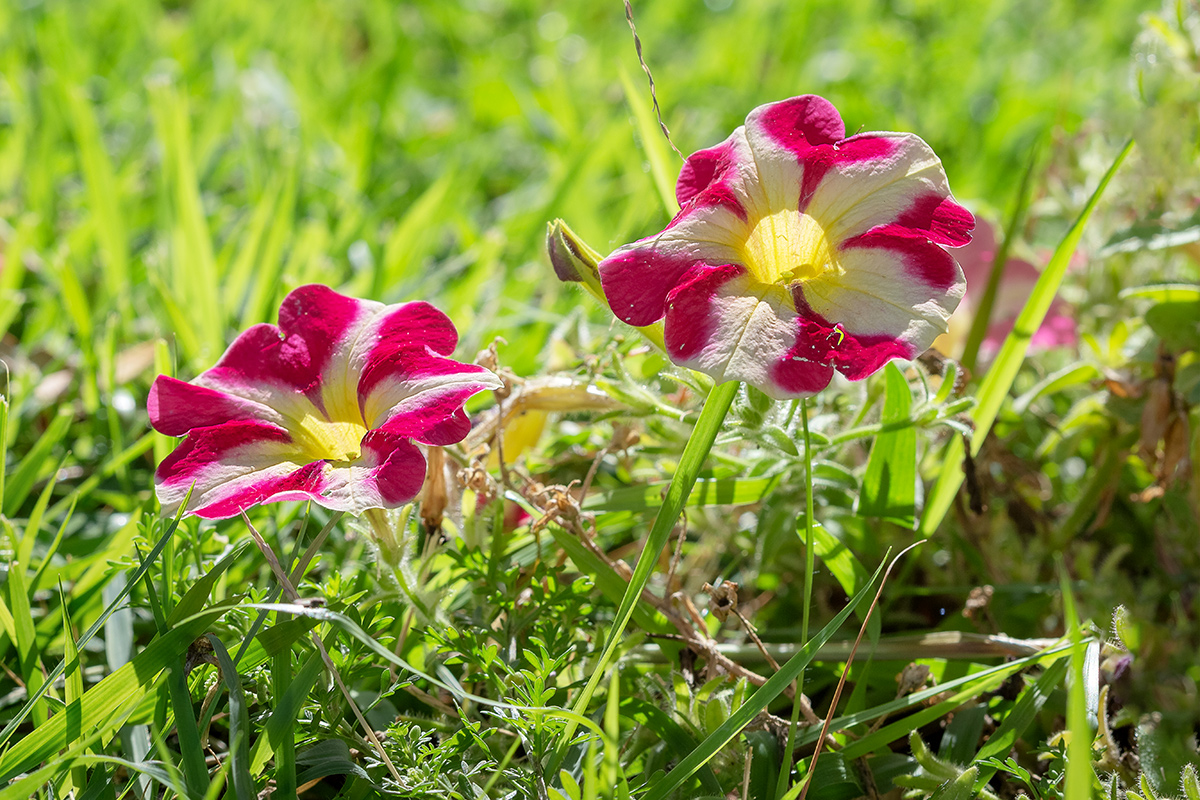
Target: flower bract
(329, 406)
(798, 251)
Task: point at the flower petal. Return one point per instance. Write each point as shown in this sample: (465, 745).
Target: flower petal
(714, 177)
(637, 278)
(407, 387)
(723, 323)
(891, 180)
(229, 460)
(288, 367)
(176, 407)
(241, 464)
(893, 299)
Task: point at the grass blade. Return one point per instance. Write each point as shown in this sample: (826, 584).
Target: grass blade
(695, 453)
(889, 487)
(654, 146)
(239, 723)
(1080, 775)
(999, 377)
(108, 701)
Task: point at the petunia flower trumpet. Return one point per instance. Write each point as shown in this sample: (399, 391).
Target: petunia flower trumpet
(329, 406)
(798, 251)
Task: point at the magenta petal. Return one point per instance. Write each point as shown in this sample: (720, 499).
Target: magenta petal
(637, 281)
(404, 346)
(940, 218)
(205, 448)
(305, 483)
(439, 418)
(313, 320)
(177, 407)
(855, 355)
(923, 261)
(820, 161)
(800, 123)
(397, 468)
(691, 316)
(707, 179)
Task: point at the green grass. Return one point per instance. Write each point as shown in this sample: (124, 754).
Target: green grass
(169, 171)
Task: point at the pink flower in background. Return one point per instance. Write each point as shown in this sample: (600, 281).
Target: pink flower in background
(1057, 329)
(326, 407)
(798, 251)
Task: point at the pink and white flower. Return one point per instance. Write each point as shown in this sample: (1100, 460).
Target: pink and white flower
(329, 406)
(798, 251)
(1058, 329)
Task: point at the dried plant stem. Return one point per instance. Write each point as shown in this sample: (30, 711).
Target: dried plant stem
(689, 633)
(837, 694)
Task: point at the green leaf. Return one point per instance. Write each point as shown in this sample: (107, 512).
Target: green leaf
(1164, 293)
(961, 788)
(197, 594)
(239, 723)
(845, 567)
(1065, 378)
(1177, 324)
(654, 144)
(107, 703)
(328, 757)
(983, 314)
(34, 464)
(1080, 774)
(889, 487)
(1020, 717)
(672, 734)
(973, 685)
(708, 492)
(611, 584)
(281, 724)
(20, 716)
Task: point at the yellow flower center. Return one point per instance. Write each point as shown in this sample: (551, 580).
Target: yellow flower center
(786, 247)
(335, 441)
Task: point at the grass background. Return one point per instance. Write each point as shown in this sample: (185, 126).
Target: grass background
(168, 171)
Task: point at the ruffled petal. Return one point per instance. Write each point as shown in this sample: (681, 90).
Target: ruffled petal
(887, 180)
(241, 464)
(792, 142)
(176, 407)
(637, 278)
(717, 176)
(406, 384)
(235, 459)
(295, 367)
(723, 323)
(893, 299)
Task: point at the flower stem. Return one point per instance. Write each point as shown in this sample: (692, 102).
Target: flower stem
(810, 565)
(389, 538)
(695, 453)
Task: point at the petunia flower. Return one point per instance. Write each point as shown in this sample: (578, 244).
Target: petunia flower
(329, 406)
(798, 251)
(1058, 329)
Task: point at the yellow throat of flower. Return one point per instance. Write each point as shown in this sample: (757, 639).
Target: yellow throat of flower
(334, 441)
(786, 247)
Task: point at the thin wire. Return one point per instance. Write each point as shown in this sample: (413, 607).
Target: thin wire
(637, 43)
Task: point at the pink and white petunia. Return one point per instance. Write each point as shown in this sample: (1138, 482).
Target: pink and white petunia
(329, 406)
(798, 251)
(1058, 329)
